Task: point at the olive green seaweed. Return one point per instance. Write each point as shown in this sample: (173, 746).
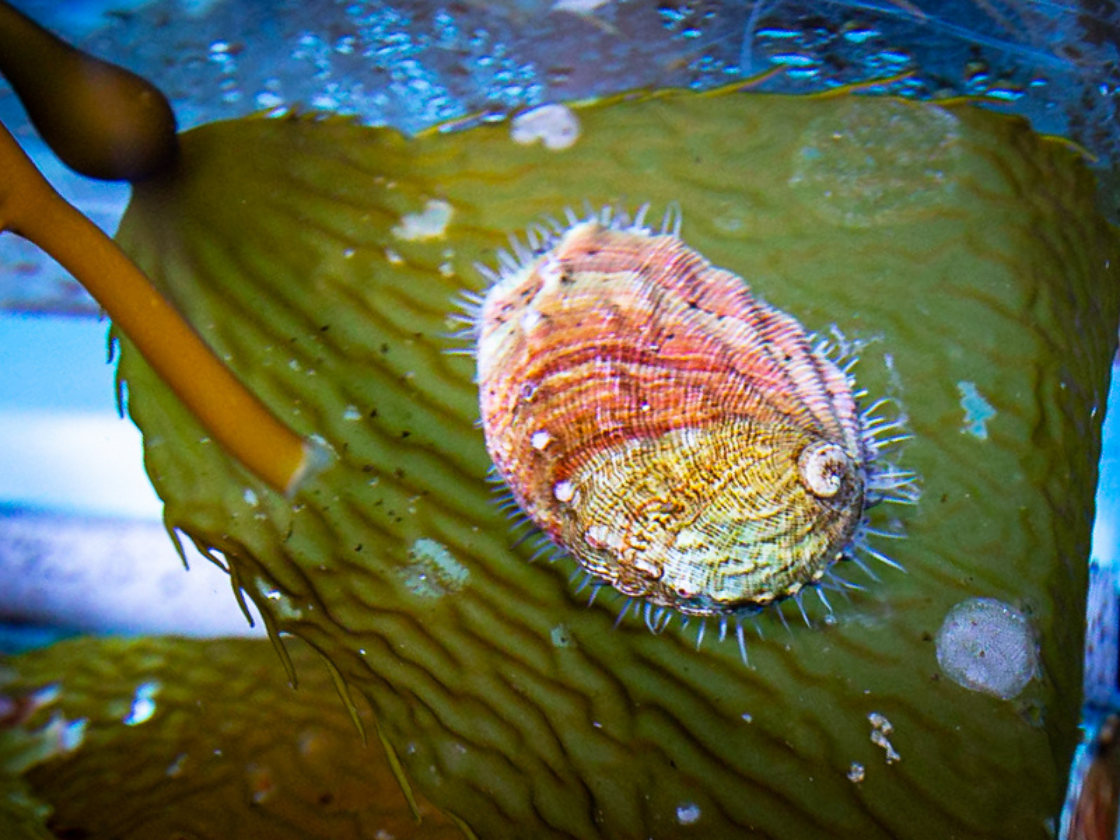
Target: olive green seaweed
(22, 816)
(953, 245)
(205, 739)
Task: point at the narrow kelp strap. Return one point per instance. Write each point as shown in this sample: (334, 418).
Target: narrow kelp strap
(108, 123)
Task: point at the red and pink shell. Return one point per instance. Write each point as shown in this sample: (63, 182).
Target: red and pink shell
(683, 440)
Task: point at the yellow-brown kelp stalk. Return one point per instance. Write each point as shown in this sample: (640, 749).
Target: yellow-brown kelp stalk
(108, 123)
(233, 416)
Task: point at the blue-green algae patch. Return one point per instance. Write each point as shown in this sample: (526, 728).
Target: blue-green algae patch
(977, 410)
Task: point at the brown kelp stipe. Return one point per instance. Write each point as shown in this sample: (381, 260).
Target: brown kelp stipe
(100, 119)
(232, 415)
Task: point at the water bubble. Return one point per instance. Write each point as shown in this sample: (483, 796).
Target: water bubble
(561, 637)
(143, 704)
(688, 813)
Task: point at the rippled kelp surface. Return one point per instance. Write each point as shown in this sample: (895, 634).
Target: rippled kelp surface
(319, 258)
(182, 738)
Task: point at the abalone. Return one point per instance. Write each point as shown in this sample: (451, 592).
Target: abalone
(683, 440)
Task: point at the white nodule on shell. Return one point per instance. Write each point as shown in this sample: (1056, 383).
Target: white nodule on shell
(687, 437)
(821, 466)
(987, 645)
(529, 319)
(540, 439)
(554, 125)
(564, 491)
(549, 272)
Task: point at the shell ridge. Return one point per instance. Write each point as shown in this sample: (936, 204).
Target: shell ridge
(693, 280)
(598, 362)
(791, 351)
(767, 376)
(756, 325)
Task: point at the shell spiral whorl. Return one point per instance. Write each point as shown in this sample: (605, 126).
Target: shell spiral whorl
(680, 438)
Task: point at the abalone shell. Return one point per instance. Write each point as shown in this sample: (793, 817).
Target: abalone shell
(682, 439)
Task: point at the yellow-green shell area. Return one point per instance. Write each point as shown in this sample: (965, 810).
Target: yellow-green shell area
(180, 739)
(960, 246)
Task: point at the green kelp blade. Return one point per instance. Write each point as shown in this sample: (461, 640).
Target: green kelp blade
(323, 261)
(179, 738)
(22, 816)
